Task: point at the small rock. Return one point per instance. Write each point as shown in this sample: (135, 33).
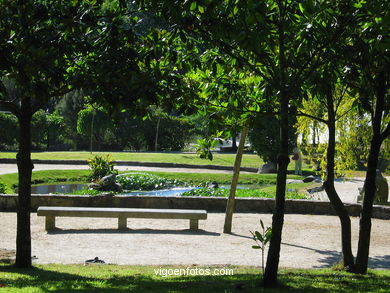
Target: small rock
(95, 260)
(267, 168)
(308, 179)
(214, 184)
(94, 186)
(108, 181)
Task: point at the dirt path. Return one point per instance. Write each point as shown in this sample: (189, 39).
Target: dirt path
(308, 241)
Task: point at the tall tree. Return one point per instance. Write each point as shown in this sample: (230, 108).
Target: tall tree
(368, 61)
(328, 94)
(272, 40)
(364, 62)
(49, 47)
(39, 40)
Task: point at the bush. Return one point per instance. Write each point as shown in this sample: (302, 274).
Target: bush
(139, 181)
(265, 137)
(2, 187)
(101, 166)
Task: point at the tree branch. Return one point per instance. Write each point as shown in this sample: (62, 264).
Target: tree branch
(385, 134)
(11, 107)
(312, 117)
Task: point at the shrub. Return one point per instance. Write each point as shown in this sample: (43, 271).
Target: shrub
(101, 166)
(2, 187)
(140, 181)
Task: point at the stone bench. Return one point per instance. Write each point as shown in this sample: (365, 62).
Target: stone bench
(121, 213)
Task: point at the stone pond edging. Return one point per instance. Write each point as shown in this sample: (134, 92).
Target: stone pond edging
(8, 203)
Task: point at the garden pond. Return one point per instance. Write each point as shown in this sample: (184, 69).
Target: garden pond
(135, 184)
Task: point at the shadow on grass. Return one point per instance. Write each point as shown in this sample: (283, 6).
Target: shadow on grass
(52, 281)
(133, 231)
(116, 279)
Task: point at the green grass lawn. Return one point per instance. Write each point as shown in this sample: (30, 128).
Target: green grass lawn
(248, 160)
(114, 278)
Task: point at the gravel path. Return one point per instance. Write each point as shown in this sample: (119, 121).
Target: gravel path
(308, 241)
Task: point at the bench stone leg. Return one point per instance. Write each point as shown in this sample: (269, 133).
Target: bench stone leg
(122, 223)
(194, 224)
(50, 223)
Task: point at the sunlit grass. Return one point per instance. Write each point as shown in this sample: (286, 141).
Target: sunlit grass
(249, 160)
(114, 278)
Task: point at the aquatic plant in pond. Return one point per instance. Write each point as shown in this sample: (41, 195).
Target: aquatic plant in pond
(142, 181)
(222, 192)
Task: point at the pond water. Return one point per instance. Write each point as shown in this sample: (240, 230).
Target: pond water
(56, 188)
(68, 188)
(163, 192)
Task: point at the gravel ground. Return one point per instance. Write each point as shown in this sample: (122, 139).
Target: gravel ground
(308, 241)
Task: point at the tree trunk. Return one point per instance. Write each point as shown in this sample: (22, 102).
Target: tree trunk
(271, 269)
(234, 143)
(236, 173)
(331, 191)
(25, 166)
(156, 138)
(369, 183)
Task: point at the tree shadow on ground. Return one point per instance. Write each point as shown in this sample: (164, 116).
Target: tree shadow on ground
(379, 262)
(330, 257)
(199, 232)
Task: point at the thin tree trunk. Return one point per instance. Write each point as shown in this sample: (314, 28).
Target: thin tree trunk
(231, 203)
(234, 144)
(156, 139)
(23, 234)
(369, 183)
(331, 191)
(271, 269)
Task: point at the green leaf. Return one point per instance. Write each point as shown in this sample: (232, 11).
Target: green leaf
(259, 236)
(200, 9)
(256, 247)
(235, 10)
(193, 6)
(301, 8)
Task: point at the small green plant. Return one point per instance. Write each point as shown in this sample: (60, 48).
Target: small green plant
(261, 240)
(101, 166)
(204, 148)
(2, 187)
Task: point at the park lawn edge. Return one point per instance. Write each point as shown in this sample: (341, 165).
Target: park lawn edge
(121, 278)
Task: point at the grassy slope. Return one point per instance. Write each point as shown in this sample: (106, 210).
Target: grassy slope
(248, 160)
(113, 278)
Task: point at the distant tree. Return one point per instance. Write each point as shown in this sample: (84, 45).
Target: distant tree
(265, 140)
(94, 122)
(55, 130)
(9, 127)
